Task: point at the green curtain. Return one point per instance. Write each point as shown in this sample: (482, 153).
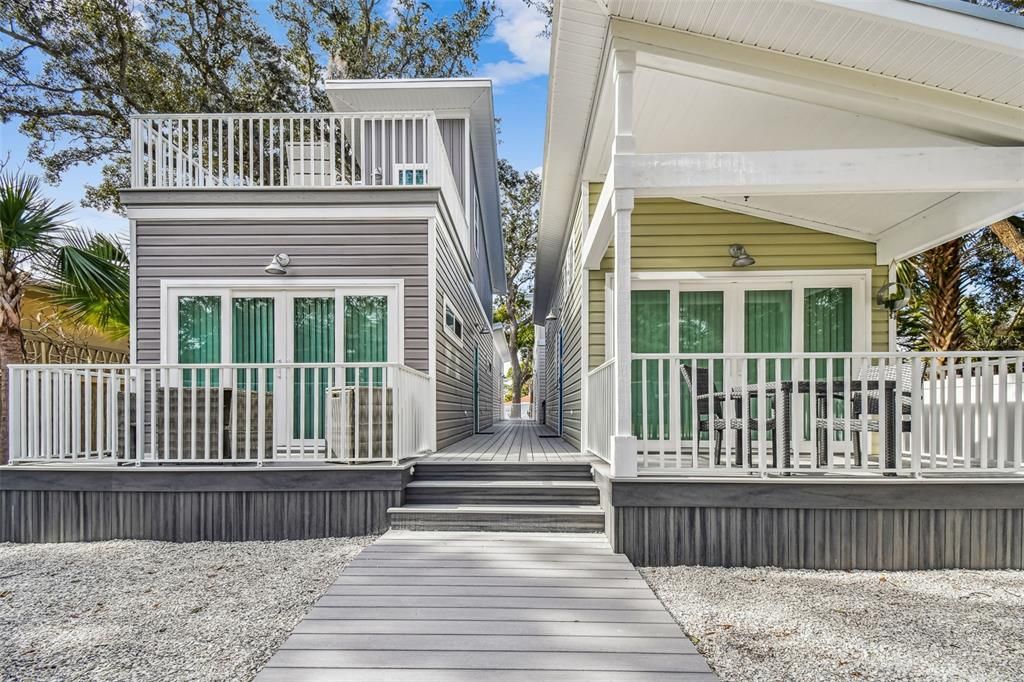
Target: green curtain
(828, 328)
(366, 335)
(252, 338)
(649, 333)
(768, 328)
(199, 337)
(701, 330)
(313, 327)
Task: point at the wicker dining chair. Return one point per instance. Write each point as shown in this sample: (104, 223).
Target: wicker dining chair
(710, 416)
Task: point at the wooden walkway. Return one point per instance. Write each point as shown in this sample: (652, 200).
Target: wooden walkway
(511, 441)
(446, 607)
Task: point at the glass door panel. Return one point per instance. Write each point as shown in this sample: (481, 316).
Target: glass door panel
(366, 337)
(701, 330)
(828, 328)
(313, 342)
(767, 328)
(252, 340)
(199, 338)
(650, 334)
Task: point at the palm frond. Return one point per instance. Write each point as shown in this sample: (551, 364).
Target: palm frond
(91, 272)
(30, 223)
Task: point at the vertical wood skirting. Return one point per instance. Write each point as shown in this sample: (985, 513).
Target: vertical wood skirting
(873, 539)
(74, 516)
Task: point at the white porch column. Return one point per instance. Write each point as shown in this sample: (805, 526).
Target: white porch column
(623, 446)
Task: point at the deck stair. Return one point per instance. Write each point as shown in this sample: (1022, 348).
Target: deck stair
(485, 496)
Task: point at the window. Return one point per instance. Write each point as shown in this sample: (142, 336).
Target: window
(411, 173)
(452, 321)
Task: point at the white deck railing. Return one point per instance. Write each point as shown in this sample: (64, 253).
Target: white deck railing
(243, 151)
(601, 409)
(349, 412)
(853, 414)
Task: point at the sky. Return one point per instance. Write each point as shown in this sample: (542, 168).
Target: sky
(515, 57)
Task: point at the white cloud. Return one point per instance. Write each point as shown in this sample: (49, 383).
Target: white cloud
(520, 29)
(539, 170)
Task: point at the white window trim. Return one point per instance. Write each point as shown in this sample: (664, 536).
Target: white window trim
(172, 289)
(446, 304)
(733, 284)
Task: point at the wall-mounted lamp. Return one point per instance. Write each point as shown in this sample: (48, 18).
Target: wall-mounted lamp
(740, 257)
(278, 264)
(551, 316)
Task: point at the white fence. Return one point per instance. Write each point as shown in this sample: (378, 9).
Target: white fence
(349, 412)
(895, 414)
(601, 409)
(241, 151)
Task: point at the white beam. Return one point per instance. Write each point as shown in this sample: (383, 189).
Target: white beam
(599, 231)
(948, 219)
(824, 171)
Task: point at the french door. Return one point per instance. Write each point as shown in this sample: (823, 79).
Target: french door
(745, 316)
(298, 325)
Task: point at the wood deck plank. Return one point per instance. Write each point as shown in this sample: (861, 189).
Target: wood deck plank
(510, 442)
(498, 606)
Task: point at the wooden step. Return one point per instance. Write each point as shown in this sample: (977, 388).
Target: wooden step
(503, 492)
(535, 518)
(487, 471)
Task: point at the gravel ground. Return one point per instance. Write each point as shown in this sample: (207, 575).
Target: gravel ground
(139, 610)
(772, 624)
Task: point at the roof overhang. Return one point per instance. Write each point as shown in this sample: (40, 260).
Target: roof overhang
(741, 74)
(447, 98)
(501, 343)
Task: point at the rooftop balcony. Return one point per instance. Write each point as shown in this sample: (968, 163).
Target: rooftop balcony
(250, 151)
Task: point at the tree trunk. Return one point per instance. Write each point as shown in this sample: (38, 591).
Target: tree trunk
(943, 266)
(517, 370)
(1011, 237)
(12, 352)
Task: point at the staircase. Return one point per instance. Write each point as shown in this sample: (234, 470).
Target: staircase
(481, 496)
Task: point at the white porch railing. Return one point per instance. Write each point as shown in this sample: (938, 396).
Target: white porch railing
(601, 409)
(348, 412)
(853, 414)
(242, 151)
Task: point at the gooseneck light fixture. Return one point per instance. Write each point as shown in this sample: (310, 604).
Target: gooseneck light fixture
(740, 257)
(278, 264)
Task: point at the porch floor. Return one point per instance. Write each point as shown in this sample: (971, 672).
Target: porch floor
(511, 441)
(530, 607)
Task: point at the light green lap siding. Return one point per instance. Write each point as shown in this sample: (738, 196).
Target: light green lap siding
(670, 234)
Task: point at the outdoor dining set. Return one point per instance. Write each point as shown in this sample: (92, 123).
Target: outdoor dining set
(876, 401)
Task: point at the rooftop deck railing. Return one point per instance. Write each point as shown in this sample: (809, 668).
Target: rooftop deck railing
(219, 414)
(245, 151)
(844, 414)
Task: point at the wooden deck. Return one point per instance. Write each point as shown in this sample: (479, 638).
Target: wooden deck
(531, 607)
(512, 441)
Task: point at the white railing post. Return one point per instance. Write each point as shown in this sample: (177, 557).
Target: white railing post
(16, 402)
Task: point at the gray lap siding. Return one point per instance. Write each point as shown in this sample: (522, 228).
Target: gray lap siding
(241, 249)
(455, 360)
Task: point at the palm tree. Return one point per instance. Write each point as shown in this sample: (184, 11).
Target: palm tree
(30, 227)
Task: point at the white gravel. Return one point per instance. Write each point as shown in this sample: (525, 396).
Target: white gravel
(139, 610)
(774, 624)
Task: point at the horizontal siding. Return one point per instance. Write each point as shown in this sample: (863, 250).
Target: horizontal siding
(335, 249)
(675, 235)
(455, 361)
(838, 539)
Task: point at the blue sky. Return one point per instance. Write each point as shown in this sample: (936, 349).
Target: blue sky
(515, 58)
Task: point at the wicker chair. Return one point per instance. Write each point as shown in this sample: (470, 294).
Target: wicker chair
(869, 420)
(710, 416)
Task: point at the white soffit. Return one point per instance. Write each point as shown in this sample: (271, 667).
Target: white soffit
(901, 40)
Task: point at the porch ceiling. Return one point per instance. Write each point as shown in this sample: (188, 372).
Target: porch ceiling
(788, 75)
(683, 114)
